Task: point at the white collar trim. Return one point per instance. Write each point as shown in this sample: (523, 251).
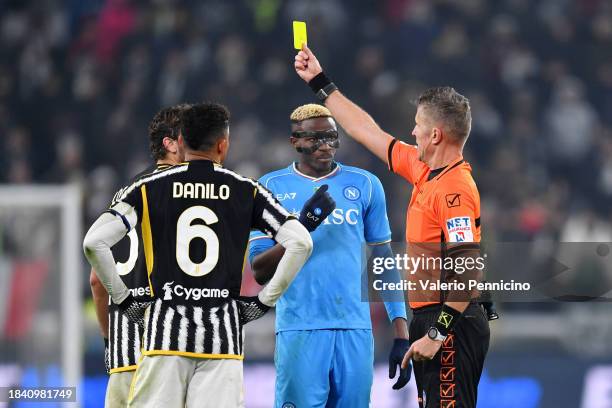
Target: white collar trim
(331, 173)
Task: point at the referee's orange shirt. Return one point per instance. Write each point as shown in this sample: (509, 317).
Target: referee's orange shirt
(444, 208)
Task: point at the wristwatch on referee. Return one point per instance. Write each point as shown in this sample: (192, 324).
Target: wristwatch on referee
(434, 334)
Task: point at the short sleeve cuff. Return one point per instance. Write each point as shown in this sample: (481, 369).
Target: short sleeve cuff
(390, 154)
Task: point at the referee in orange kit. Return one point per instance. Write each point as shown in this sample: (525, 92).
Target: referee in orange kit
(449, 331)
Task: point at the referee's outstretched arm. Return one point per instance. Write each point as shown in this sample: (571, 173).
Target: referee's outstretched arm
(264, 264)
(354, 120)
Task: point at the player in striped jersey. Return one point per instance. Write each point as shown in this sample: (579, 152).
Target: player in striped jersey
(195, 220)
(121, 337)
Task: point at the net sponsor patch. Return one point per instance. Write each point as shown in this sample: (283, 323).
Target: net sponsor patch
(459, 229)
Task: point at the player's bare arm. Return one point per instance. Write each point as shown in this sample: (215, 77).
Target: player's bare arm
(264, 265)
(100, 298)
(401, 343)
(356, 122)
(400, 328)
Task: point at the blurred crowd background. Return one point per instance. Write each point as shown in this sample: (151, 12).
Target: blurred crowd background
(81, 79)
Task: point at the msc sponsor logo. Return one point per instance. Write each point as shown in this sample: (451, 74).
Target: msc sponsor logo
(170, 291)
(459, 229)
(337, 217)
(351, 193)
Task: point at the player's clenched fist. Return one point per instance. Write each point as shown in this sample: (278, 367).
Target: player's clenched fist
(306, 64)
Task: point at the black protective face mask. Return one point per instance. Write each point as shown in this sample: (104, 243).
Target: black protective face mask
(329, 136)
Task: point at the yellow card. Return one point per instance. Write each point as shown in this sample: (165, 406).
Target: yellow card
(299, 34)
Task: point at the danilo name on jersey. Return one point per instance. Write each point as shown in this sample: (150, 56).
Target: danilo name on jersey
(208, 191)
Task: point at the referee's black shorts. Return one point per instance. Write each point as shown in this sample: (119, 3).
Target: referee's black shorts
(450, 379)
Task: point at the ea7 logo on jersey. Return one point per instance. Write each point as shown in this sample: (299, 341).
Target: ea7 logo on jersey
(286, 196)
(192, 293)
(459, 229)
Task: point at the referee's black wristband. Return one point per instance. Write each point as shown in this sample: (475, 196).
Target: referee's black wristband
(322, 86)
(447, 319)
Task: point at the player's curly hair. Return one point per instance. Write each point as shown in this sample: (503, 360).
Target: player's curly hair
(165, 123)
(204, 124)
(448, 106)
(309, 111)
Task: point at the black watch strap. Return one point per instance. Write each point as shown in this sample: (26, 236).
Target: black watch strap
(322, 86)
(324, 92)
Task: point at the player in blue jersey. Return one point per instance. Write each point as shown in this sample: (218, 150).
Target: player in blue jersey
(324, 344)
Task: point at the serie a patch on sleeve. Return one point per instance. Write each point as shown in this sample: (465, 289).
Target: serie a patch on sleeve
(459, 229)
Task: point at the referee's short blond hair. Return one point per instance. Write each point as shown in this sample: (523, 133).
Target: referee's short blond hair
(309, 111)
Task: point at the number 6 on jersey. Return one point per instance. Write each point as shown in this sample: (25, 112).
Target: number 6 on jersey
(185, 232)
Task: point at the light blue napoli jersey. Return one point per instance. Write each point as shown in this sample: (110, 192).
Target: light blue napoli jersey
(326, 294)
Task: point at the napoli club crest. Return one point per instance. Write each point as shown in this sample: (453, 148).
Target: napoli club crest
(352, 193)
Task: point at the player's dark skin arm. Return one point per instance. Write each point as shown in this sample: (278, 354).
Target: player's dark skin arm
(400, 325)
(100, 298)
(264, 265)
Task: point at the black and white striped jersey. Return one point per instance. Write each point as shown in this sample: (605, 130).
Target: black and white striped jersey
(124, 336)
(123, 342)
(195, 220)
(213, 332)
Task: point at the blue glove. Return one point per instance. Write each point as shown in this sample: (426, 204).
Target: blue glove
(399, 350)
